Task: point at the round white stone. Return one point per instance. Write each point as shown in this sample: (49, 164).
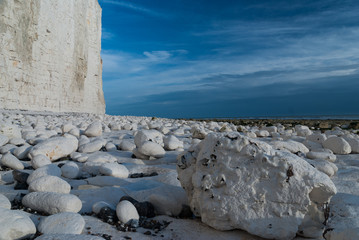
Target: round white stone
(56, 147)
(4, 202)
(127, 145)
(52, 203)
(151, 149)
(172, 143)
(94, 129)
(70, 170)
(15, 224)
(64, 223)
(47, 170)
(11, 161)
(126, 211)
(338, 145)
(49, 184)
(39, 161)
(114, 169)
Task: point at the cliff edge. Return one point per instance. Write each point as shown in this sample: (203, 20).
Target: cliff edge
(50, 56)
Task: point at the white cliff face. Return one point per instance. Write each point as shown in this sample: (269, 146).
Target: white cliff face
(50, 55)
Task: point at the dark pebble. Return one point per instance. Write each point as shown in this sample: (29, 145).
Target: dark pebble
(186, 212)
(141, 175)
(147, 233)
(21, 186)
(107, 214)
(20, 176)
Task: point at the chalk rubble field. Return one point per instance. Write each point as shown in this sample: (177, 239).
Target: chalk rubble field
(83, 176)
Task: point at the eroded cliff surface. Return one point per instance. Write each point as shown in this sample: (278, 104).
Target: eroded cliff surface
(50, 55)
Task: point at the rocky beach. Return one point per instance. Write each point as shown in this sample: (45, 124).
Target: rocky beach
(70, 171)
(85, 176)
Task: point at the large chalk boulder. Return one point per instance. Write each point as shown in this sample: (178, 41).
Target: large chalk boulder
(235, 182)
(338, 145)
(15, 224)
(56, 147)
(52, 203)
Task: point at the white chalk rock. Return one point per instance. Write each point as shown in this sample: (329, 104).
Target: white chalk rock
(317, 137)
(92, 146)
(70, 170)
(47, 170)
(324, 166)
(3, 140)
(15, 225)
(114, 169)
(338, 145)
(49, 184)
(148, 135)
(11, 131)
(198, 132)
(4, 202)
(322, 154)
(290, 145)
(11, 161)
(39, 161)
(22, 152)
(151, 149)
(172, 143)
(353, 142)
(126, 211)
(343, 222)
(56, 147)
(17, 141)
(262, 133)
(233, 181)
(94, 129)
(312, 145)
(303, 130)
(127, 145)
(64, 223)
(52, 203)
(110, 147)
(67, 127)
(7, 148)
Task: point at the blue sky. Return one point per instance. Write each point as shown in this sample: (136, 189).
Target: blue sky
(230, 58)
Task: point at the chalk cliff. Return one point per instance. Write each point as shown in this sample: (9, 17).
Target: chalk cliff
(50, 55)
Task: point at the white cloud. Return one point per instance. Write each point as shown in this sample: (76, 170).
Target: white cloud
(157, 55)
(137, 8)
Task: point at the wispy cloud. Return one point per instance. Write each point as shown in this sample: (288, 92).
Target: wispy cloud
(106, 35)
(135, 7)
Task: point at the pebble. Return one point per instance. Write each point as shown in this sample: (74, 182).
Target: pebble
(47, 170)
(52, 203)
(151, 149)
(70, 170)
(172, 143)
(40, 160)
(62, 223)
(11, 161)
(114, 169)
(15, 224)
(4, 202)
(17, 141)
(3, 140)
(127, 145)
(126, 211)
(338, 145)
(20, 176)
(92, 146)
(56, 147)
(22, 152)
(49, 184)
(94, 129)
